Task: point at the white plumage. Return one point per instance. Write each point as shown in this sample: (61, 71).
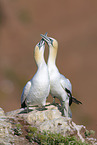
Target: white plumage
(60, 86)
(58, 82)
(37, 89)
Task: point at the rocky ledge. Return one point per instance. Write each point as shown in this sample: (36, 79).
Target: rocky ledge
(20, 127)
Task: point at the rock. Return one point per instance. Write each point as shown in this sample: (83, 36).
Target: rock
(6, 136)
(42, 116)
(49, 119)
(4, 128)
(43, 119)
(1, 112)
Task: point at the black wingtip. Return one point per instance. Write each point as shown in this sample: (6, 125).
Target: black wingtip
(69, 95)
(76, 101)
(23, 105)
(70, 102)
(68, 91)
(71, 98)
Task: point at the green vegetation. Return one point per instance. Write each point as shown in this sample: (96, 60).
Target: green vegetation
(47, 138)
(32, 129)
(18, 129)
(88, 133)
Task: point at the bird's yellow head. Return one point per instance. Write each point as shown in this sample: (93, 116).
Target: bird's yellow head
(53, 46)
(39, 52)
(53, 42)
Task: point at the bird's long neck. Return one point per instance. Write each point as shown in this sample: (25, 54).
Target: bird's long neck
(52, 56)
(39, 59)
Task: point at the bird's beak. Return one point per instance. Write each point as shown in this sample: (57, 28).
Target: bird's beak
(46, 38)
(41, 43)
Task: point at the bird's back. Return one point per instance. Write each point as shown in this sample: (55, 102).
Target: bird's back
(65, 82)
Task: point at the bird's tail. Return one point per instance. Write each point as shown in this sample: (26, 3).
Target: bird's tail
(76, 101)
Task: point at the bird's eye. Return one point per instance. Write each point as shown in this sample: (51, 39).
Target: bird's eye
(51, 41)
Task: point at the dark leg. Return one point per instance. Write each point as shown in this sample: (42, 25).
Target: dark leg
(66, 109)
(54, 103)
(27, 102)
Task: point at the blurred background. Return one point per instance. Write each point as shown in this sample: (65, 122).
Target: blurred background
(74, 25)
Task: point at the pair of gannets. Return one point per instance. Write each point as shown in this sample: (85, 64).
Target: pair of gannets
(48, 79)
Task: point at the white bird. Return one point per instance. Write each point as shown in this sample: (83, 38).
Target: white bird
(37, 89)
(60, 86)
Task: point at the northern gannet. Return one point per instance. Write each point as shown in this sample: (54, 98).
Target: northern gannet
(60, 86)
(37, 89)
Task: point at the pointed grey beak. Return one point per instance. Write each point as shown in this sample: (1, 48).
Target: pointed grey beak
(41, 43)
(45, 38)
